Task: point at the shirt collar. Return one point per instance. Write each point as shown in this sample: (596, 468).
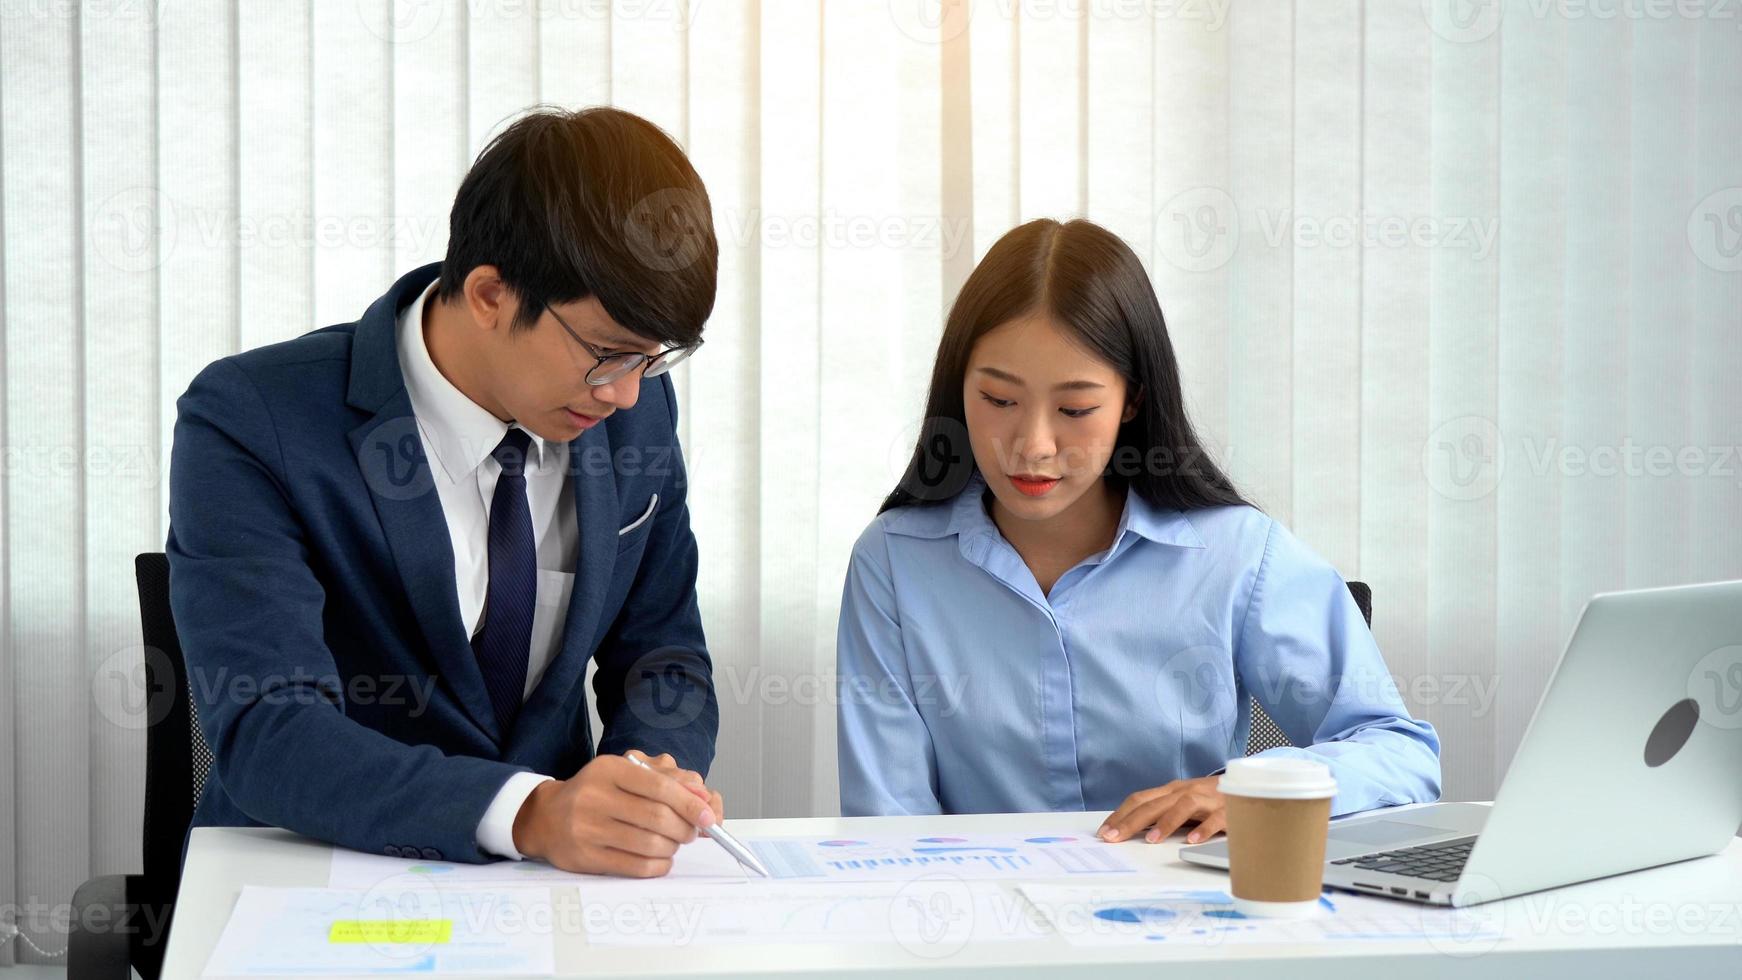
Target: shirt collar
(966, 515)
(460, 433)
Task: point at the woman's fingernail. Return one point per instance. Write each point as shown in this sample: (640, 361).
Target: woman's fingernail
(1152, 836)
(708, 819)
(1192, 838)
(1112, 835)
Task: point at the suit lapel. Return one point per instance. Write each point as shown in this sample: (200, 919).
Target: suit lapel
(389, 453)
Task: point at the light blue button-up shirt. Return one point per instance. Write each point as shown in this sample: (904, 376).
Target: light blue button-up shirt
(964, 689)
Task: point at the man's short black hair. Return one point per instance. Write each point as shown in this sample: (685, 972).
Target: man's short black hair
(594, 202)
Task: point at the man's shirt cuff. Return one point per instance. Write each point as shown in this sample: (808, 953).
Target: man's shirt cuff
(496, 830)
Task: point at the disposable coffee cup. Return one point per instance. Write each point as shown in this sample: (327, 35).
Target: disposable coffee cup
(1279, 812)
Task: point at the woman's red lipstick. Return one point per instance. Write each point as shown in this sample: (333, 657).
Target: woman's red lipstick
(1034, 486)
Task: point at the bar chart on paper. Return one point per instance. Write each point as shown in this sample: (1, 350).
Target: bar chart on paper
(977, 856)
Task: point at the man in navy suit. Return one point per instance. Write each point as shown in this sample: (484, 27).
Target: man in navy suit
(395, 544)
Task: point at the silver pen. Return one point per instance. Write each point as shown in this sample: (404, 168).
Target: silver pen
(719, 835)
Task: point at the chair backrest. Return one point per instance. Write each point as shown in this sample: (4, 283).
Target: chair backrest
(177, 759)
(1265, 733)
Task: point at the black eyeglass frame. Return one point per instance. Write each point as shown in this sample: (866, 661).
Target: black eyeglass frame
(651, 365)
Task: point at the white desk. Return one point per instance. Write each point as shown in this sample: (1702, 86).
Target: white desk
(1680, 921)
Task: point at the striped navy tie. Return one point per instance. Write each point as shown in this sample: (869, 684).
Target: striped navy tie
(502, 645)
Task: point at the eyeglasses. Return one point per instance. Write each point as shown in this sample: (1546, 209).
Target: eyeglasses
(611, 367)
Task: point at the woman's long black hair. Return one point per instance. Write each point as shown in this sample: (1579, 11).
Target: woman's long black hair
(1093, 283)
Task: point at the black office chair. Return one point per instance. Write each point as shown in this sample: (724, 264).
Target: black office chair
(1265, 733)
(135, 932)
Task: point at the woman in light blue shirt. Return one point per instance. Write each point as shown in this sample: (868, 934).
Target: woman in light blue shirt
(1066, 605)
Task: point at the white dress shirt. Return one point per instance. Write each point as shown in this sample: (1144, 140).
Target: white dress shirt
(458, 437)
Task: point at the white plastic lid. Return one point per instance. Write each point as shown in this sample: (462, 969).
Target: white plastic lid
(1278, 778)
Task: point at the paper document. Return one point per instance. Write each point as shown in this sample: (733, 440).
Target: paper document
(902, 857)
(932, 915)
(320, 931)
(699, 860)
(1122, 915)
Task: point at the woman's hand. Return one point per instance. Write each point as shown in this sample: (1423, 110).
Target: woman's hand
(1165, 809)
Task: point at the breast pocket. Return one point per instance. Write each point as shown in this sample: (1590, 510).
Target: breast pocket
(632, 534)
(549, 615)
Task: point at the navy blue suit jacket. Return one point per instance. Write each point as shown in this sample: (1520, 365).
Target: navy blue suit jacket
(312, 582)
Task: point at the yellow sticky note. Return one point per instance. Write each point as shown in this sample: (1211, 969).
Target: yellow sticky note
(422, 931)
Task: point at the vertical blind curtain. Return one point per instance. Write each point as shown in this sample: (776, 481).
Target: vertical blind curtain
(1449, 281)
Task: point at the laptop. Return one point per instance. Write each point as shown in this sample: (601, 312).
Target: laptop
(1644, 705)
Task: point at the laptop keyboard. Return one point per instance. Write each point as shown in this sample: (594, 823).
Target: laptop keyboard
(1442, 861)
